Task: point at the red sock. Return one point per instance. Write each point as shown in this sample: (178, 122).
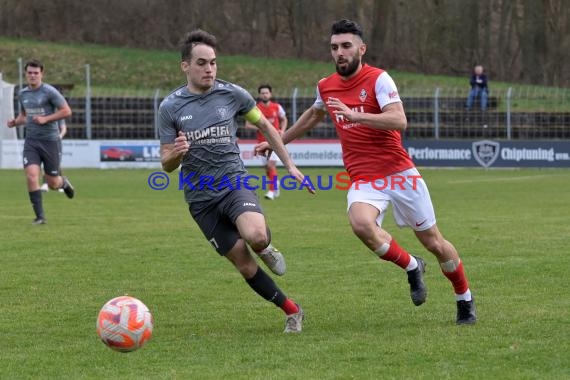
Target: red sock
(396, 254)
(289, 307)
(271, 174)
(458, 279)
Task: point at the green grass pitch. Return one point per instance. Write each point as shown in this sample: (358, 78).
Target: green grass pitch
(118, 236)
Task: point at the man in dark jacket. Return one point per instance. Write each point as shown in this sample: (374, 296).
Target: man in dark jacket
(479, 88)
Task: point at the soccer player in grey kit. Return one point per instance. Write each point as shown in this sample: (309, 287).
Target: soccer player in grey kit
(42, 107)
(197, 125)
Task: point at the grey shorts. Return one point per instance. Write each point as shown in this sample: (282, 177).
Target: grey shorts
(217, 218)
(48, 153)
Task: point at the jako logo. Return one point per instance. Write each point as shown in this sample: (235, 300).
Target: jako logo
(187, 117)
(246, 204)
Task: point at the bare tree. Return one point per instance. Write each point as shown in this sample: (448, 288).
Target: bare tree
(527, 40)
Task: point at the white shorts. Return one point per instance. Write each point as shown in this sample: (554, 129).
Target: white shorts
(273, 157)
(407, 193)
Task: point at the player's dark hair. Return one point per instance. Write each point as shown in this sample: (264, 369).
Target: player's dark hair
(34, 63)
(346, 26)
(261, 87)
(195, 37)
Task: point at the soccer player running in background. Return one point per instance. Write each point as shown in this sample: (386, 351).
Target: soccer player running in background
(276, 115)
(42, 107)
(197, 124)
(366, 109)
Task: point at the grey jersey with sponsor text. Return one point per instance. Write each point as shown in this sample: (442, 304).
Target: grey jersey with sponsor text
(42, 101)
(212, 166)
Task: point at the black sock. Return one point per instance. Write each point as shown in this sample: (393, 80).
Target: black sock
(266, 287)
(36, 199)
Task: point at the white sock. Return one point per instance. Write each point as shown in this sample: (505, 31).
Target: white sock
(381, 251)
(464, 297)
(413, 264)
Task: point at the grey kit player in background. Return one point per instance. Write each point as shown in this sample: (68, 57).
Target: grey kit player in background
(42, 107)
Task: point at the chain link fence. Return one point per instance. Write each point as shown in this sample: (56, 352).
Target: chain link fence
(525, 112)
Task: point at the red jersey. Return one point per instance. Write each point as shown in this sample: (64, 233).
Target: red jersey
(366, 151)
(272, 112)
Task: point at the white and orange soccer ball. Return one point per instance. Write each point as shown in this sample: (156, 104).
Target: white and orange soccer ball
(124, 324)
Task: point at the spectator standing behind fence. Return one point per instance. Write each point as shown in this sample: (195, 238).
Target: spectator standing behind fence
(479, 89)
(275, 114)
(42, 107)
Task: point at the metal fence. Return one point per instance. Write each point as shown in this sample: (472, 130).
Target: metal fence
(526, 112)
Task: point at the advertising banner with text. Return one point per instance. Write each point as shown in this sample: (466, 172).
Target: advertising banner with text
(489, 153)
(429, 153)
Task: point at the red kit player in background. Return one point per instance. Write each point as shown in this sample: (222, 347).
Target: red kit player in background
(369, 117)
(277, 117)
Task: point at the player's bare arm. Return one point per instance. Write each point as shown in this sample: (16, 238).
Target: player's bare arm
(392, 116)
(307, 121)
(283, 123)
(171, 154)
(62, 130)
(249, 125)
(61, 113)
(21, 119)
(275, 142)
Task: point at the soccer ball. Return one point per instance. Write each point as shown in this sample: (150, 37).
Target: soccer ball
(124, 324)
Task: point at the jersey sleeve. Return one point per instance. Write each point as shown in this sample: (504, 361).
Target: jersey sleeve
(244, 99)
(319, 104)
(166, 126)
(386, 91)
(55, 98)
(280, 111)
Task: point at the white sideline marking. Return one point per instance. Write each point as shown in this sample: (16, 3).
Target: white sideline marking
(486, 179)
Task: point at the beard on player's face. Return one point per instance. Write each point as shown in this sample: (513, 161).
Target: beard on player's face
(350, 68)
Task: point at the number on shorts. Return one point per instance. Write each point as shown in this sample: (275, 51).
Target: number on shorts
(214, 243)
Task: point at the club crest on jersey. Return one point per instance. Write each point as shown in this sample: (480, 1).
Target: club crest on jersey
(362, 96)
(222, 112)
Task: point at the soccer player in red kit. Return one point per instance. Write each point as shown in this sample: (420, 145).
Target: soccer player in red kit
(369, 117)
(275, 114)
